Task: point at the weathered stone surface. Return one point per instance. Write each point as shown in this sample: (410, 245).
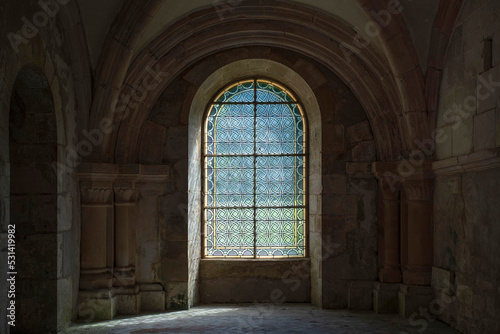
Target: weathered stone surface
(385, 297)
(359, 132)
(237, 282)
(335, 184)
(96, 305)
(152, 300)
(128, 304)
(413, 299)
(485, 130)
(361, 296)
(462, 137)
(364, 152)
(177, 296)
(261, 317)
(333, 139)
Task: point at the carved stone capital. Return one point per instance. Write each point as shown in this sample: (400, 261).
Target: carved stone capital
(125, 195)
(96, 196)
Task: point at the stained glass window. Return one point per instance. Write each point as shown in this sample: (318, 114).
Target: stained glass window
(254, 173)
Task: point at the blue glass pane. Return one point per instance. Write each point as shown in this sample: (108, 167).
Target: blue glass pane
(279, 129)
(229, 181)
(268, 92)
(279, 181)
(230, 232)
(230, 130)
(241, 92)
(280, 232)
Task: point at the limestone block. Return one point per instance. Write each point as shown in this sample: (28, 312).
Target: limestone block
(385, 297)
(177, 296)
(474, 61)
(472, 30)
(443, 143)
(497, 121)
(364, 152)
(359, 132)
(64, 300)
(335, 294)
(487, 92)
(442, 280)
(333, 138)
(335, 184)
(485, 130)
(174, 270)
(152, 297)
(128, 304)
(462, 139)
(359, 170)
(414, 298)
(361, 296)
(96, 305)
(340, 205)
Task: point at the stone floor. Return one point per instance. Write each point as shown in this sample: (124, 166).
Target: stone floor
(263, 318)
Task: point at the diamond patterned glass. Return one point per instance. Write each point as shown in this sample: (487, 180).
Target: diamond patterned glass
(255, 168)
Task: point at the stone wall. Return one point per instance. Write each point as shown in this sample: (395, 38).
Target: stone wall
(44, 48)
(466, 230)
(349, 229)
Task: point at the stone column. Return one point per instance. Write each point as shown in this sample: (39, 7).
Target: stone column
(96, 300)
(389, 207)
(125, 215)
(97, 235)
(418, 191)
(389, 214)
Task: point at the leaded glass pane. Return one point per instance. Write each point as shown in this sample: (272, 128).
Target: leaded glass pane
(279, 181)
(254, 189)
(230, 232)
(270, 92)
(241, 92)
(279, 129)
(230, 181)
(230, 129)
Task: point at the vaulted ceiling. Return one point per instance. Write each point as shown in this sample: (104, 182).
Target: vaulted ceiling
(98, 15)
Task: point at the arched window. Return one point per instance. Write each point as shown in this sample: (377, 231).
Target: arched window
(254, 173)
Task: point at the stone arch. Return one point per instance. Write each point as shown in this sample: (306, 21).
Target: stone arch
(218, 79)
(392, 111)
(33, 200)
(58, 81)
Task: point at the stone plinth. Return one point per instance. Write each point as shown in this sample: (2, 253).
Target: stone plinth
(414, 299)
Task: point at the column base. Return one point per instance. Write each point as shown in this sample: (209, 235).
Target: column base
(96, 305)
(385, 297)
(152, 297)
(414, 299)
(128, 300)
(124, 277)
(360, 296)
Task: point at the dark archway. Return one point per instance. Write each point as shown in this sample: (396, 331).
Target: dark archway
(33, 201)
